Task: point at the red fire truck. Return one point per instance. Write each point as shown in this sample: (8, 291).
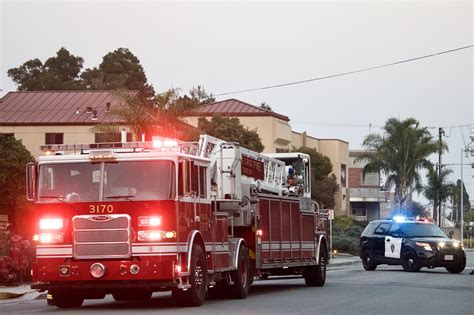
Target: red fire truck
(133, 218)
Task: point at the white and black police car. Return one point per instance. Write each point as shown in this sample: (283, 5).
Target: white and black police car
(412, 244)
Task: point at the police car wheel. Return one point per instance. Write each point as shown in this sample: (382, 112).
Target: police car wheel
(458, 267)
(368, 261)
(410, 261)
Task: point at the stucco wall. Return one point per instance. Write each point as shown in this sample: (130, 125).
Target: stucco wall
(34, 136)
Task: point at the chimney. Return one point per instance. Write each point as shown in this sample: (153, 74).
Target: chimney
(94, 117)
(88, 109)
(107, 107)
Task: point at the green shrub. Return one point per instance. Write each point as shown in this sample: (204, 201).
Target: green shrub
(346, 233)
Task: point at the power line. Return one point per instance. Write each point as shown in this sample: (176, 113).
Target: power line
(345, 73)
(334, 124)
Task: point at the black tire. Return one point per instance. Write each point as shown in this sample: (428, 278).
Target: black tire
(66, 299)
(410, 261)
(195, 295)
(315, 276)
(457, 268)
(368, 260)
(135, 295)
(241, 276)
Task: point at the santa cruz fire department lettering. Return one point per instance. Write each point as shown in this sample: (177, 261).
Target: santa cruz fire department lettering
(252, 167)
(93, 209)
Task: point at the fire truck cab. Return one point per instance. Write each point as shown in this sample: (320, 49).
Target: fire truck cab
(129, 219)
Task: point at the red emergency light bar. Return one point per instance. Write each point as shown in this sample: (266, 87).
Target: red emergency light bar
(92, 146)
(166, 145)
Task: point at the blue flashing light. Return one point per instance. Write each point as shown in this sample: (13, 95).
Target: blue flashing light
(399, 218)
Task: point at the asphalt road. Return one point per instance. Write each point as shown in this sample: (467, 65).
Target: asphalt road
(348, 290)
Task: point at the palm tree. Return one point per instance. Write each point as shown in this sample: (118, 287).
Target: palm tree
(438, 190)
(162, 116)
(400, 153)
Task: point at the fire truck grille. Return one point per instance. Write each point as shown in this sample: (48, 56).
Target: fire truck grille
(102, 236)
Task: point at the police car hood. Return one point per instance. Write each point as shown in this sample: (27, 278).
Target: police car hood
(432, 239)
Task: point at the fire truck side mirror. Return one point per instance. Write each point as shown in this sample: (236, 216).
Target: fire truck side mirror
(31, 181)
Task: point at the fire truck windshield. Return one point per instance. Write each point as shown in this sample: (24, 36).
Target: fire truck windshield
(123, 180)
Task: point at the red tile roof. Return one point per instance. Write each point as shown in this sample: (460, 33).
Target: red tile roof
(57, 107)
(233, 107)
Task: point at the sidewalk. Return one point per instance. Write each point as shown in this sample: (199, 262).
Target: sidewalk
(20, 293)
(343, 259)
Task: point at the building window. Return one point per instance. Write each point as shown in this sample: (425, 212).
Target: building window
(343, 175)
(111, 137)
(370, 179)
(359, 209)
(54, 138)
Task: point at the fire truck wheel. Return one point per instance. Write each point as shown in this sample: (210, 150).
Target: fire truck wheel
(198, 279)
(315, 276)
(65, 299)
(241, 276)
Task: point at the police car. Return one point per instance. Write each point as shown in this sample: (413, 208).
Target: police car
(412, 244)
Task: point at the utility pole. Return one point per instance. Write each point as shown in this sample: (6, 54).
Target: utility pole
(461, 196)
(438, 193)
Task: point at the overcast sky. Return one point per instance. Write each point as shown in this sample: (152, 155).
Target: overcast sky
(228, 46)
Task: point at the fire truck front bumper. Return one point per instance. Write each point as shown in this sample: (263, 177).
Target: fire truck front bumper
(106, 286)
(59, 270)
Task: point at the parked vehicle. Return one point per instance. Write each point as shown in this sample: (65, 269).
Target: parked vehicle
(412, 244)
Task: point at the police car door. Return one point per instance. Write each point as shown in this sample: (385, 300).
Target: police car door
(379, 236)
(393, 245)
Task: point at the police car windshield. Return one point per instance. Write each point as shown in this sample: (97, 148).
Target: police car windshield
(421, 230)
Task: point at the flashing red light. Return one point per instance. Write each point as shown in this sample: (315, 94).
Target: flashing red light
(149, 221)
(51, 224)
(157, 143)
(259, 233)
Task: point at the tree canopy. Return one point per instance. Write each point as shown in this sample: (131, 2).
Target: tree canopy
(265, 106)
(438, 190)
(160, 116)
(323, 182)
(400, 153)
(119, 70)
(13, 159)
(230, 129)
(456, 200)
(60, 72)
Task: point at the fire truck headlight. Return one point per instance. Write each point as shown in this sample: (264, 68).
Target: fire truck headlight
(150, 236)
(49, 238)
(51, 224)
